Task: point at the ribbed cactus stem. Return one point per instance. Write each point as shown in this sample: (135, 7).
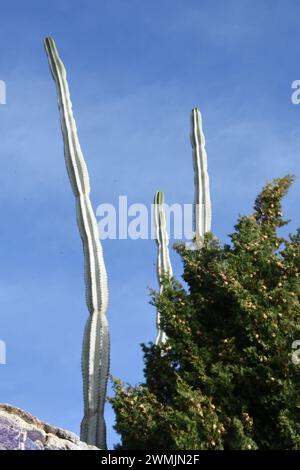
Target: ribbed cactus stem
(163, 265)
(202, 203)
(95, 351)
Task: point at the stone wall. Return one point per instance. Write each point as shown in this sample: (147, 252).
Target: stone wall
(20, 430)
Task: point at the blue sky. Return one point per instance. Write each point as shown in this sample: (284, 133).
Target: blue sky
(135, 70)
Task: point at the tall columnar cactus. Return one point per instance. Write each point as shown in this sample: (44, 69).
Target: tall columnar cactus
(95, 351)
(163, 266)
(202, 204)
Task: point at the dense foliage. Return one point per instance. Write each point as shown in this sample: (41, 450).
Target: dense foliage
(225, 378)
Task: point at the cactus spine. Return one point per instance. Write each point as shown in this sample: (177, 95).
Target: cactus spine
(163, 266)
(95, 351)
(202, 203)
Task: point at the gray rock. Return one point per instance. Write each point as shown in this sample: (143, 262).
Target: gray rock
(20, 430)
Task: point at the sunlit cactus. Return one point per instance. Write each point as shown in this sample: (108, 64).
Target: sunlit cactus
(202, 203)
(163, 265)
(95, 351)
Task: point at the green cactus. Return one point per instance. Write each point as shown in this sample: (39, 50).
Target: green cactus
(95, 351)
(202, 203)
(163, 265)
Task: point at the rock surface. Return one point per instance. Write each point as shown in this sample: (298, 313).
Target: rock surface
(20, 430)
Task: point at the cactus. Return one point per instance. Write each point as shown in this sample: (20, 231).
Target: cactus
(202, 204)
(163, 266)
(95, 351)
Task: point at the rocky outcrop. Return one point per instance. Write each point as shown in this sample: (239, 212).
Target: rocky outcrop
(20, 430)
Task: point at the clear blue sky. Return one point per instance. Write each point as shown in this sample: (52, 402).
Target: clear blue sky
(135, 68)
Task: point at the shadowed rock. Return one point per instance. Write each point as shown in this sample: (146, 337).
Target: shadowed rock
(20, 430)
